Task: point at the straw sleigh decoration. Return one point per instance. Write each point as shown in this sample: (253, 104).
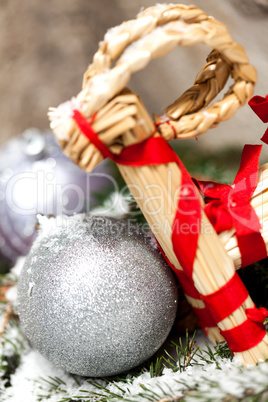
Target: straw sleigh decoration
(107, 120)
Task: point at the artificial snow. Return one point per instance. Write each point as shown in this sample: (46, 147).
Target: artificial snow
(115, 206)
(212, 381)
(11, 294)
(32, 380)
(28, 382)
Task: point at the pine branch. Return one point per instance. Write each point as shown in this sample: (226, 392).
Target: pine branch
(12, 347)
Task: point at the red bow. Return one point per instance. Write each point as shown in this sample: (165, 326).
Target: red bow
(259, 105)
(229, 206)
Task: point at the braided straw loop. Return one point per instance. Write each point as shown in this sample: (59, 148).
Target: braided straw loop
(154, 33)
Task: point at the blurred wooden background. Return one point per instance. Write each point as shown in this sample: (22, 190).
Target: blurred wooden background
(46, 46)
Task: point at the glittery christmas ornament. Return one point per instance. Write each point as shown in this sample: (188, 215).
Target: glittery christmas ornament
(95, 296)
(36, 177)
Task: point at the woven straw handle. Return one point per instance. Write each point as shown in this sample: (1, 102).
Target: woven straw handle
(154, 33)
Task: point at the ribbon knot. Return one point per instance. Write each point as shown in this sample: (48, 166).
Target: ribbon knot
(257, 315)
(259, 105)
(229, 207)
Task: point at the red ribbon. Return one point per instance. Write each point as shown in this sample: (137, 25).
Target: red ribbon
(156, 151)
(229, 206)
(203, 315)
(186, 224)
(256, 314)
(259, 105)
(227, 299)
(248, 334)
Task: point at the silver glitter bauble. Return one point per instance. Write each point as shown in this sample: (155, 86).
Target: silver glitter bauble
(95, 297)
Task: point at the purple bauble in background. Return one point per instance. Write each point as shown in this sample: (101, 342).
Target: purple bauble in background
(36, 177)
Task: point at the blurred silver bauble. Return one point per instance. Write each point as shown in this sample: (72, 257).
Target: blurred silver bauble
(36, 177)
(95, 297)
